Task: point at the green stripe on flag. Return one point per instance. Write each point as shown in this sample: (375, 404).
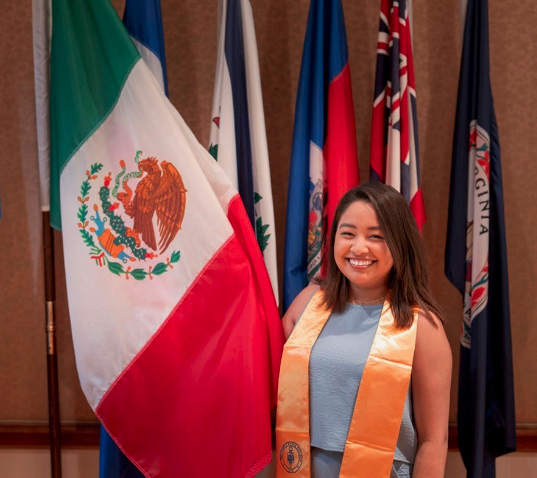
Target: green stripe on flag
(91, 58)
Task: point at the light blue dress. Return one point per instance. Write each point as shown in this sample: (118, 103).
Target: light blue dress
(337, 363)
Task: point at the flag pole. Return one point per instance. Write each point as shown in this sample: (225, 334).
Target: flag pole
(52, 358)
(42, 27)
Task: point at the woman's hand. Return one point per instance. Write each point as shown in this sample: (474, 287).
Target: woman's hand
(431, 381)
(296, 308)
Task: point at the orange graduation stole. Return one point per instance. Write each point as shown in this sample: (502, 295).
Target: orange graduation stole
(378, 411)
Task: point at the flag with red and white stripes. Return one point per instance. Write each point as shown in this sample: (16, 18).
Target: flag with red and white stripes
(394, 126)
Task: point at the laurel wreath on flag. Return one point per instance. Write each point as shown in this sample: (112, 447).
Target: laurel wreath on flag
(97, 252)
(260, 228)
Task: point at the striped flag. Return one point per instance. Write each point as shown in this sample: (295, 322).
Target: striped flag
(143, 21)
(238, 140)
(394, 125)
(324, 160)
(176, 331)
(42, 27)
(476, 261)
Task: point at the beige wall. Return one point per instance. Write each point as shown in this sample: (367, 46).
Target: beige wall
(190, 28)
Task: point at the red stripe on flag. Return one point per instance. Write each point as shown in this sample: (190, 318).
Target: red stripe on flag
(383, 46)
(196, 401)
(405, 125)
(378, 139)
(340, 151)
(417, 207)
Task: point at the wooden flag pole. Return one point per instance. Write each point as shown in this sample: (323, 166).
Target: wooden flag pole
(52, 358)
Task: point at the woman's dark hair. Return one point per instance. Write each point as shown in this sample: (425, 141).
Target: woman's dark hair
(409, 279)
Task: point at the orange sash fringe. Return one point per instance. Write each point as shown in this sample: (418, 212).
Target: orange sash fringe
(376, 420)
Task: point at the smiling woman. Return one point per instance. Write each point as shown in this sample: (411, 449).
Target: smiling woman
(364, 383)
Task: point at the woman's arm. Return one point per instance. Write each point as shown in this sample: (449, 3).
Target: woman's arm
(296, 308)
(431, 380)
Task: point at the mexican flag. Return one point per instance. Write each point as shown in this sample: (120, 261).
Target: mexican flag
(176, 331)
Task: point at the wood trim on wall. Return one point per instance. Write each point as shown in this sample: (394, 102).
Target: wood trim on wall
(37, 436)
(526, 439)
(87, 436)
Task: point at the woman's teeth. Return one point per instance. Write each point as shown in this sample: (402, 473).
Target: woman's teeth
(356, 262)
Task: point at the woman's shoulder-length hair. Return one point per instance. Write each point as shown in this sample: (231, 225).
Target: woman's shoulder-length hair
(409, 278)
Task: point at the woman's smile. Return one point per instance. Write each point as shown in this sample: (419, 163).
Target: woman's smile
(360, 264)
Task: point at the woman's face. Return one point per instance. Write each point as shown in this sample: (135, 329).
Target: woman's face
(360, 250)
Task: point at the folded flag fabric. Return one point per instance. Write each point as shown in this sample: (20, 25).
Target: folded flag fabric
(42, 26)
(394, 126)
(112, 462)
(176, 331)
(324, 158)
(143, 21)
(238, 140)
(476, 261)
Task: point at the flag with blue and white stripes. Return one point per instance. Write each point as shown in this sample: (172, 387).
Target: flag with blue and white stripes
(238, 140)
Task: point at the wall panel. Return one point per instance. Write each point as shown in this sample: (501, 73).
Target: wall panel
(190, 31)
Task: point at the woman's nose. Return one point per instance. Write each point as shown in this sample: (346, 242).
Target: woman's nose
(359, 245)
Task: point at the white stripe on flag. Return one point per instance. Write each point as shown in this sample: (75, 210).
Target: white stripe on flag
(151, 60)
(258, 137)
(412, 151)
(227, 150)
(222, 131)
(393, 155)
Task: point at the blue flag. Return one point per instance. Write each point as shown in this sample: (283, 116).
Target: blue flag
(324, 159)
(476, 261)
(112, 462)
(143, 21)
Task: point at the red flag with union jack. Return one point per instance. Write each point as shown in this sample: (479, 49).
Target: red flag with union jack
(394, 126)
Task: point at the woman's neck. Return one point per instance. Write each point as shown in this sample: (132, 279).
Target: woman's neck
(375, 295)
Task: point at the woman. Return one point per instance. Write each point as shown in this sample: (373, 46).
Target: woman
(366, 371)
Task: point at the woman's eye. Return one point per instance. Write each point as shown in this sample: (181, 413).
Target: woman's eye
(375, 236)
(347, 234)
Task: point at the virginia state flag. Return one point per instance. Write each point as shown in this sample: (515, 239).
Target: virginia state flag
(394, 125)
(476, 261)
(324, 160)
(176, 331)
(238, 139)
